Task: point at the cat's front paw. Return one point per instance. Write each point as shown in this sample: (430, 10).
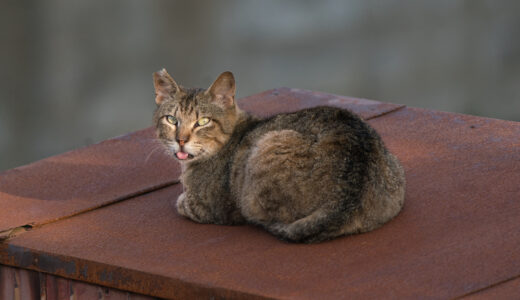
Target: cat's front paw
(183, 208)
(181, 203)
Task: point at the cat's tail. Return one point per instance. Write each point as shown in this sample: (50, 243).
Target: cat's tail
(322, 224)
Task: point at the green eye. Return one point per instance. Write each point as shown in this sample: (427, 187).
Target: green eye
(171, 119)
(203, 121)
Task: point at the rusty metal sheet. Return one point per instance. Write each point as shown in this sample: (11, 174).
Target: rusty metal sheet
(83, 179)
(110, 250)
(55, 288)
(458, 232)
(462, 211)
(282, 100)
(18, 283)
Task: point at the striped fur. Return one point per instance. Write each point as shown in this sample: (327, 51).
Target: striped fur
(307, 176)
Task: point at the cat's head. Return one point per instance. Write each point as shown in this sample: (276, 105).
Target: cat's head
(194, 123)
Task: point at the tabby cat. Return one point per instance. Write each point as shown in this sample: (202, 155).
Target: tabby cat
(306, 176)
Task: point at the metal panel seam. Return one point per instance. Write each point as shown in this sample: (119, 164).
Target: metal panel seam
(488, 287)
(386, 112)
(16, 231)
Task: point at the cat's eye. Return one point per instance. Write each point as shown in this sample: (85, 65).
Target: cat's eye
(171, 119)
(202, 121)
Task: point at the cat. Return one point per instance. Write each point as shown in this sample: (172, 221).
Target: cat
(306, 176)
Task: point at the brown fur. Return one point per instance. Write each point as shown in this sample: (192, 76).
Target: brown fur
(306, 176)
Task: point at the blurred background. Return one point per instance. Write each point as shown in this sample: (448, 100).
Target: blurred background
(73, 73)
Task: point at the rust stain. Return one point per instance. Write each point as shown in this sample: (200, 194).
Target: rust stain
(26, 258)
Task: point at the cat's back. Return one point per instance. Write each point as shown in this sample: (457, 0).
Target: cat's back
(326, 133)
(325, 137)
(309, 169)
(314, 121)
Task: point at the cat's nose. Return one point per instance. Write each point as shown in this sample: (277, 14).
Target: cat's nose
(181, 141)
(182, 138)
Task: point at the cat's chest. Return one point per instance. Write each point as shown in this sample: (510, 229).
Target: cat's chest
(209, 174)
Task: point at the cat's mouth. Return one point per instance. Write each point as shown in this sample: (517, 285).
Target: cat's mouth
(183, 155)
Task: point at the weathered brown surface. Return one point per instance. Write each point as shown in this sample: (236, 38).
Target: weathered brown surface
(140, 245)
(458, 233)
(16, 283)
(83, 179)
(462, 210)
(283, 100)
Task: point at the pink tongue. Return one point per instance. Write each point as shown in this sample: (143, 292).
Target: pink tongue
(182, 155)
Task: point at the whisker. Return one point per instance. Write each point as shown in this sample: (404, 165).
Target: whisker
(150, 154)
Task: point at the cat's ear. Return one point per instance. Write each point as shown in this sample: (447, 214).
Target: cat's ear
(165, 86)
(222, 91)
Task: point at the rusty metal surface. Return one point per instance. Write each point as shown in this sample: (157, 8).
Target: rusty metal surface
(20, 284)
(83, 179)
(17, 284)
(139, 245)
(463, 203)
(57, 288)
(458, 232)
(282, 100)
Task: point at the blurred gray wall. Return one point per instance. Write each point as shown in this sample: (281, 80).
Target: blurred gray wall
(74, 73)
